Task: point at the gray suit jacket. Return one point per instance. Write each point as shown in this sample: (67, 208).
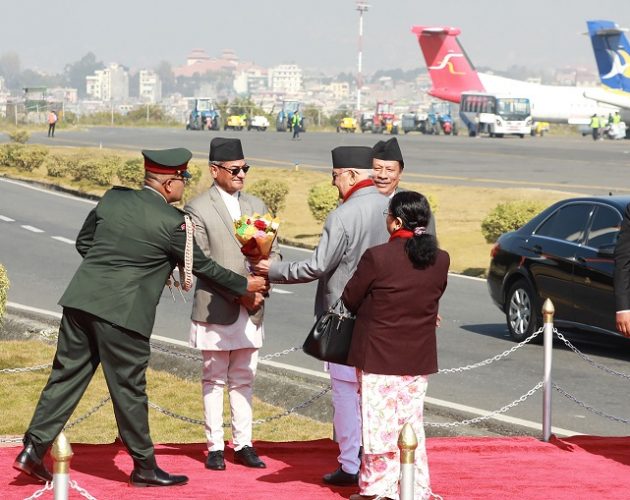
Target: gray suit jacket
(214, 233)
(349, 230)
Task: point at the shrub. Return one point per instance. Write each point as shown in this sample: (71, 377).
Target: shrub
(20, 136)
(272, 192)
(29, 158)
(131, 173)
(195, 171)
(8, 153)
(322, 199)
(4, 290)
(98, 170)
(508, 216)
(56, 165)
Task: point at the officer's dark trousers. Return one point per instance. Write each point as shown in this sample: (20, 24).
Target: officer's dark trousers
(84, 342)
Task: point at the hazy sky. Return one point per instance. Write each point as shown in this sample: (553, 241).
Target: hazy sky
(315, 34)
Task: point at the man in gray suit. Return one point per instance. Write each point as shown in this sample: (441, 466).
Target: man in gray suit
(387, 167)
(356, 225)
(227, 334)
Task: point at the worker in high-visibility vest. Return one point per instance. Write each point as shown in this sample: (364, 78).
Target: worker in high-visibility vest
(616, 118)
(595, 126)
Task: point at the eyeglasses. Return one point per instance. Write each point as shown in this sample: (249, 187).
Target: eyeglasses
(234, 170)
(183, 179)
(386, 212)
(335, 175)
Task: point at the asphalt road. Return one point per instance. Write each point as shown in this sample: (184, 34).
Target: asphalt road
(37, 232)
(574, 164)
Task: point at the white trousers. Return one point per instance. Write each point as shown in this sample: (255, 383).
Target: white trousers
(347, 423)
(236, 370)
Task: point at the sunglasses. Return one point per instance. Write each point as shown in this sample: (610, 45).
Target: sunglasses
(234, 170)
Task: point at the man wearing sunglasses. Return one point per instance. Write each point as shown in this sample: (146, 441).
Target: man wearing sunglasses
(227, 333)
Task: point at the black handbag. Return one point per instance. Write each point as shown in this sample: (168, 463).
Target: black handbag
(330, 337)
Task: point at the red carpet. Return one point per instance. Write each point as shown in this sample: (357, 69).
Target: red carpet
(581, 467)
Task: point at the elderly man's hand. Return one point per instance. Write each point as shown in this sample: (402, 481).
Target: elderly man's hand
(623, 322)
(252, 302)
(257, 284)
(261, 268)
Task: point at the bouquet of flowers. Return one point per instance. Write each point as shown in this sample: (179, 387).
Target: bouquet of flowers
(256, 234)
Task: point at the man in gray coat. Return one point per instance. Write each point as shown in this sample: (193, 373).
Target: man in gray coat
(227, 334)
(356, 225)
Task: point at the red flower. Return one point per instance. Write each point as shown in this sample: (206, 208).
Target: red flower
(260, 224)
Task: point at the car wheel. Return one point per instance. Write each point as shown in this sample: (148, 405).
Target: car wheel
(520, 311)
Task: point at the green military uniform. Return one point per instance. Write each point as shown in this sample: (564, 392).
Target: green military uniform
(130, 243)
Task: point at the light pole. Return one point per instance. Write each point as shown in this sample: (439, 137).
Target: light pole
(362, 7)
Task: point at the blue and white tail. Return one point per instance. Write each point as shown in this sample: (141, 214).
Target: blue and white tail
(612, 53)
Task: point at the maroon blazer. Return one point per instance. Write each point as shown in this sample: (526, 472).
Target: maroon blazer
(396, 307)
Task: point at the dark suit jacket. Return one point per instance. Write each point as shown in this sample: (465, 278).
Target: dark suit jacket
(130, 243)
(622, 265)
(396, 307)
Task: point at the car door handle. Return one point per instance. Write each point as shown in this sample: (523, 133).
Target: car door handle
(581, 260)
(537, 249)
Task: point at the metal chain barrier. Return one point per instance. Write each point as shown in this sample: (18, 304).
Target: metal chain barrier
(82, 491)
(48, 487)
(28, 369)
(588, 359)
(486, 362)
(481, 418)
(279, 354)
(589, 407)
(89, 413)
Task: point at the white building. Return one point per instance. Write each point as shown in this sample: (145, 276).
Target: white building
(285, 78)
(109, 84)
(150, 86)
(251, 81)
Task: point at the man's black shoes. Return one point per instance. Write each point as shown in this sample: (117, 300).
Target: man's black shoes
(30, 463)
(341, 478)
(247, 456)
(215, 460)
(155, 477)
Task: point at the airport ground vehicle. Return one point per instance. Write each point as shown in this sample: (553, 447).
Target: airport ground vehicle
(440, 119)
(235, 122)
(565, 253)
(285, 116)
(384, 119)
(258, 122)
(495, 114)
(414, 122)
(366, 121)
(203, 115)
(539, 128)
(347, 124)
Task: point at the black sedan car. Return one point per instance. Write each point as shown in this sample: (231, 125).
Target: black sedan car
(565, 254)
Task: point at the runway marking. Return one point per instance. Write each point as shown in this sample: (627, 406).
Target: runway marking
(6, 219)
(322, 375)
(64, 240)
(32, 229)
(48, 191)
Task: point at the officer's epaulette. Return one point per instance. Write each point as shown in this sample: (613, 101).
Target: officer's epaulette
(122, 188)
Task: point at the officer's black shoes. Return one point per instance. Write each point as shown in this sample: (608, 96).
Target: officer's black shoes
(341, 478)
(248, 456)
(155, 477)
(215, 460)
(30, 463)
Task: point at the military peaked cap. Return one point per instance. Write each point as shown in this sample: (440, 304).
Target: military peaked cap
(167, 161)
(388, 151)
(352, 157)
(223, 149)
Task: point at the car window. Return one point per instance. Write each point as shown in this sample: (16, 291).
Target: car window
(567, 223)
(605, 228)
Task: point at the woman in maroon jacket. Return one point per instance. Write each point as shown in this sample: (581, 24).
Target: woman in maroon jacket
(395, 294)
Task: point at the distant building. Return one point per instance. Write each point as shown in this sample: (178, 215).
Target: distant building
(198, 62)
(285, 78)
(150, 86)
(63, 94)
(109, 84)
(251, 81)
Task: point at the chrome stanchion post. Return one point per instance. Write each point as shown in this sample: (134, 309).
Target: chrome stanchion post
(62, 454)
(548, 311)
(407, 444)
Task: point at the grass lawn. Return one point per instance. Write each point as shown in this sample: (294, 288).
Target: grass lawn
(19, 393)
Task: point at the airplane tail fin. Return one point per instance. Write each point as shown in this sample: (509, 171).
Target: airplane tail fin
(449, 67)
(612, 53)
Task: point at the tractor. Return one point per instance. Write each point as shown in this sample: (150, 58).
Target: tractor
(384, 120)
(440, 119)
(203, 115)
(285, 116)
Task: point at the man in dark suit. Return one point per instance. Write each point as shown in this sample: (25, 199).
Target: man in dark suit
(387, 169)
(228, 335)
(622, 276)
(130, 243)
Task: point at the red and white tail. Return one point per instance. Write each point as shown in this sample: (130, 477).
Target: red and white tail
(448, 64)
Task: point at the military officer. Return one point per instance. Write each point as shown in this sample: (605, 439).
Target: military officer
(130, 243)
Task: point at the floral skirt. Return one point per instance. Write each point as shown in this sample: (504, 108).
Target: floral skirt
(387, 403)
